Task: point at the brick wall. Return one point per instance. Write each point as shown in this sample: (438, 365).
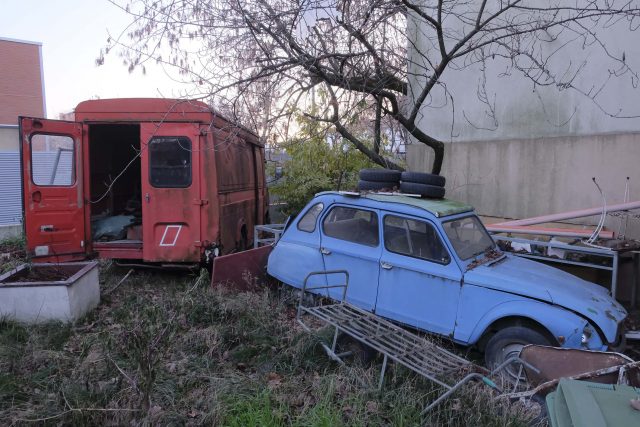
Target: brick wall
(21, 91)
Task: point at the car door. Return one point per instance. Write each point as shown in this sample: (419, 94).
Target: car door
(297, 253)
(351, 241)
(53, 190)
(171, 205)
(419, 282)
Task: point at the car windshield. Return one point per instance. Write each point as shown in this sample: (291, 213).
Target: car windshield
(468, 237)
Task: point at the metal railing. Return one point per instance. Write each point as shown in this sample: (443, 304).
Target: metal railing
(567, 248)
(272, 232)
(392, 341)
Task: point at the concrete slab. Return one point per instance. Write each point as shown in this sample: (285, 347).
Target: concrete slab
(41, 301)
(10, 231)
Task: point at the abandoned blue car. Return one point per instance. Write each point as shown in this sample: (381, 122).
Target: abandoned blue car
(431, 265)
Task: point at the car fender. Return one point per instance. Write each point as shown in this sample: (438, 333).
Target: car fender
(565, 326)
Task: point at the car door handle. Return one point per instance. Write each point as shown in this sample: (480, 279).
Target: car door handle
(325, 251)
(386, 265)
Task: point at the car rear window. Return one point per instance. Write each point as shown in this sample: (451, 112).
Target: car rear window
(308, 221)
(417, 239)
(52, 160)
(353, 225)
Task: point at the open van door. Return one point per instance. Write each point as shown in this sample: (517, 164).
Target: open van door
(52, 189)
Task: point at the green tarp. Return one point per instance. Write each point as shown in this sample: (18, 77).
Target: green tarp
(583, 403)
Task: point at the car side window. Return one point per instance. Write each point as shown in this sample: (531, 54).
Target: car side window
(417, 239)
(353, 225)
(308, 221)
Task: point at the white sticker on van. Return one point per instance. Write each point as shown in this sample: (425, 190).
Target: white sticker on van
(41, 250)
(169, 234)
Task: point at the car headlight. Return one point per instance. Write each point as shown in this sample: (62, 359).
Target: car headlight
(587, 333)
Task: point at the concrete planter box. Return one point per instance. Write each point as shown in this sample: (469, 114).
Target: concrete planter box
(35, 293)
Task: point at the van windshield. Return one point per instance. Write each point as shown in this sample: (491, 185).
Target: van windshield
(468, 237)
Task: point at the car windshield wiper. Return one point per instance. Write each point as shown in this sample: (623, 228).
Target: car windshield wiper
(482, 252)
(490, 256)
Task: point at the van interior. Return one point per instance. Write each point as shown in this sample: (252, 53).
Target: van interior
(115, 183)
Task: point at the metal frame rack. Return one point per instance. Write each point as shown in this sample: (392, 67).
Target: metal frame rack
(598, 252)
(274, 230)
(395, 343)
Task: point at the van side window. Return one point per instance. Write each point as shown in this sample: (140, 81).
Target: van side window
(170, 161)
(52, 160)
(308, 221)
(417, 239)
(353, 225)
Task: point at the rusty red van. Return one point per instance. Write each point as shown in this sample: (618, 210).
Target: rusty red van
(147, 180)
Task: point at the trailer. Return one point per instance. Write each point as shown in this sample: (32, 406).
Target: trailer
(142, 180)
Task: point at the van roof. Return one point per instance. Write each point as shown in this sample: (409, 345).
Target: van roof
(186, 108)
(152, 109)
(438, 207)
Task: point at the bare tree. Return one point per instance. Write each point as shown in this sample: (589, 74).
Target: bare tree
(264, 59)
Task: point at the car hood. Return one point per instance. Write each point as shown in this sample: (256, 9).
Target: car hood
(524, 277)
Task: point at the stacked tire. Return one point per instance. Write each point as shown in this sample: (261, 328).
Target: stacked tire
(424, 184)
(379, 180)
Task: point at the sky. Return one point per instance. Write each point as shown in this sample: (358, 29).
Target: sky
(72, 32)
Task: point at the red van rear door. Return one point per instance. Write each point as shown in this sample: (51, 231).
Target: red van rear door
(171, 204)
(52, 188)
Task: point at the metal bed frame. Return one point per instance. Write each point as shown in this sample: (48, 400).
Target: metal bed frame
(394, 342)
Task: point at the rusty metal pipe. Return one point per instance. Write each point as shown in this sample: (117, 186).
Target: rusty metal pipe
(557, 232)
(572, 214)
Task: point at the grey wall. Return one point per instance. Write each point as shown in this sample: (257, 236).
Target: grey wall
(529, 177)
(525, 110)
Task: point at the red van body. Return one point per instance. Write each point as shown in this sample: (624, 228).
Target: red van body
(170, 181)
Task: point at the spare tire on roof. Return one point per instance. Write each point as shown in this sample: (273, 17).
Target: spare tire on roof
(380, 175)
(423, 178)
(425, 190)
(364, 185)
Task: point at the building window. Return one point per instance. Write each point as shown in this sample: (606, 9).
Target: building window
(353, 225)
(52, 160)
(170, 161)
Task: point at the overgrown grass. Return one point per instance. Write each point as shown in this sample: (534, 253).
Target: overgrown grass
(12, 253)
(166, 349)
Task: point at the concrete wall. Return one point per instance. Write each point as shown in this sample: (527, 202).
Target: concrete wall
(528, 177)
(523, 109)
(9, 140)
(10, 231)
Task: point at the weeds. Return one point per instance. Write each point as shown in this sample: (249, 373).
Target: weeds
(12, 253)
(168, 349)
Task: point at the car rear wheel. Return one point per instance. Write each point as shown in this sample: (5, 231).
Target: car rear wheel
(423, 178)
(424, 190)
(380, 175)
(376, 185)
(507, 343)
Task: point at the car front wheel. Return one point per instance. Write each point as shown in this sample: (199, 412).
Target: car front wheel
(507, 343)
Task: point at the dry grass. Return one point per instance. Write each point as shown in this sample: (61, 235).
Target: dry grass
(12, 253)
(166, 349)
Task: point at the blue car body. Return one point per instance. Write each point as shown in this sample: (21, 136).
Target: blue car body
(461, 297)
